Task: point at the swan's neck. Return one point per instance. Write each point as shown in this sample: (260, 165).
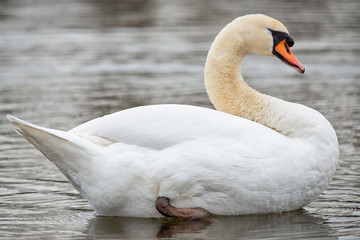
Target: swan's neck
(229, 93)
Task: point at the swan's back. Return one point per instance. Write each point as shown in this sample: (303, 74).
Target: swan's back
(162, 126)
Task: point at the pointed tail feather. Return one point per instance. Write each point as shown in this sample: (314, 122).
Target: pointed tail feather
(68, 151)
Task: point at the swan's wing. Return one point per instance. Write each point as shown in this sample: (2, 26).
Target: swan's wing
(238, 176)
(162, 126)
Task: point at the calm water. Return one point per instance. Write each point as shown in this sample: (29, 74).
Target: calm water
(65, 62)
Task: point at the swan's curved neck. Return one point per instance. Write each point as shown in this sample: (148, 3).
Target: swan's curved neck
(229, 93)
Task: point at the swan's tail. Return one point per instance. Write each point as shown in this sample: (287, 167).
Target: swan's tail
(68, 151)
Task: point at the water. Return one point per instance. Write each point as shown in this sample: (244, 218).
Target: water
(65, 62)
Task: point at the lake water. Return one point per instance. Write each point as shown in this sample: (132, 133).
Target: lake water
(65, 62)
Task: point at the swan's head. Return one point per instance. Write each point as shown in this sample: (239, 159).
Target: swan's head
(262, 35)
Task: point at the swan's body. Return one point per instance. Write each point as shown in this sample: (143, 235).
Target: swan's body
(279, 160)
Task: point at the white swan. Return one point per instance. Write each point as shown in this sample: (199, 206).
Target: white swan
(257, 154)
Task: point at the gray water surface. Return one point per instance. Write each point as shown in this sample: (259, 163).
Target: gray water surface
(65, 62)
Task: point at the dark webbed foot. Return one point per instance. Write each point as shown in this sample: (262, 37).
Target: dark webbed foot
(164, 207)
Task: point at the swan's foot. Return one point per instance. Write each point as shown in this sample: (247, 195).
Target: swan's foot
(164, 207)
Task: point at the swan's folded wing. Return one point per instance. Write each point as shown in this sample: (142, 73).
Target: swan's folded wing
(162, 126)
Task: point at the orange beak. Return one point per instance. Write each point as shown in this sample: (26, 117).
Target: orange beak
(283, 52)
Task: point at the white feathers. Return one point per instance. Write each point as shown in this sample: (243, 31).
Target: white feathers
(195, 156)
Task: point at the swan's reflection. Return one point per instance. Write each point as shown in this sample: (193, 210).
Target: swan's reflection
(298, 224)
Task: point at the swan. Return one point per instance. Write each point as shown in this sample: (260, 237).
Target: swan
(254, 154)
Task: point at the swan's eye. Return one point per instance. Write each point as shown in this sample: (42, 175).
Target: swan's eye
(279, 36)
